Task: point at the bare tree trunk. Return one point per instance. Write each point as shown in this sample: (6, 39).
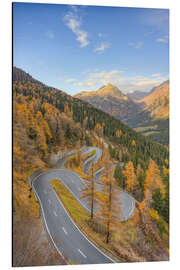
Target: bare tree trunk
(92, 186)
(108, 223)
(107, 238)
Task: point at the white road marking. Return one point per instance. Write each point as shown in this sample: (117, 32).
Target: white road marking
(64, 230)
(45, 218)
(67, 215)
(82, 253)
(49, 201)
(55, 213)
(132, 208)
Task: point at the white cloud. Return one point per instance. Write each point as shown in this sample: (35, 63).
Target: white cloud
(136, 45)
(127, 84)
(142, 83)
(163, 39)
(131, 44)
(139, 45)
(73, 21)
(70, 80)
(100, 78)
(156, 75)
(148, 33)
(50, 35)
(74, 8)
(102, 47)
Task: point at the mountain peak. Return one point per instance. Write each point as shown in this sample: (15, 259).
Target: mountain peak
(110, 85)
(110, 90)
(112, 100)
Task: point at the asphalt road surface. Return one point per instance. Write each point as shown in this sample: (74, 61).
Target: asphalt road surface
(94, 159)
(65, 235)
(127, 201)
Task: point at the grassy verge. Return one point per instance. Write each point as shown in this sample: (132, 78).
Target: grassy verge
(88, 155)
(82, 219)
(31, 170)
(150, 133)
(146, 128)
(128, 243)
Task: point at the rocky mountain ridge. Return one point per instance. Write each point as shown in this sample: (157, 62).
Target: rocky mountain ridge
(142, 114)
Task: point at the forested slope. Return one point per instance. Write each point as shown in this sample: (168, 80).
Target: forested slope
(90, 118)
(46, 121)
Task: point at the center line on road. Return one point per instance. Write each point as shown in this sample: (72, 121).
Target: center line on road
(82, 253)
(55, 213)
(64, 230)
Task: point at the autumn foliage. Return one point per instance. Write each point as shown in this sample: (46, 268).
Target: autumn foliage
(131, 179)
(45, 121)
(153, 181)
(110, 205)
(89, 190)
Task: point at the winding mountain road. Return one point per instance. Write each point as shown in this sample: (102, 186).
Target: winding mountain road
(67, 238)
(127, 201)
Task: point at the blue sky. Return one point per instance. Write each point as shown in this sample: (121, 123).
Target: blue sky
(80, 48)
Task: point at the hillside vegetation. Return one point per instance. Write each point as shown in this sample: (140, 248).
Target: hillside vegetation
(46, 121)
(91, 118)
(39, 130)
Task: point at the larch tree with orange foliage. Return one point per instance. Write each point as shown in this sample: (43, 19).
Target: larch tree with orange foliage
(89, 190)
(42, 130)
(133, 143)
(118, 133)
(99, 129)
(131, 179)
(140, 179)
(109, 202)
(153, 181)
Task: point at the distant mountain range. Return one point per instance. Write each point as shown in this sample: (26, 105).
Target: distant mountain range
(137, 95)
(157, 102)
(112, 100)
(146, 112)
(63, 112)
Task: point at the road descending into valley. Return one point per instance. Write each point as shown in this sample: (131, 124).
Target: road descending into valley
(65, 235)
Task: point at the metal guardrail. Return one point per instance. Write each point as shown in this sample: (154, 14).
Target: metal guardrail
(88, 160)
(33, 175)
(99, 170)
(99, 226)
